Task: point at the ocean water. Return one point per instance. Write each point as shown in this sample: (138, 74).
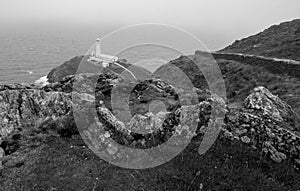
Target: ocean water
(28, 55)
(25, 58)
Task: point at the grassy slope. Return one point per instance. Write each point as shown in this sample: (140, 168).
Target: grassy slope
(65, 163)
(240, 79)
(279, 41)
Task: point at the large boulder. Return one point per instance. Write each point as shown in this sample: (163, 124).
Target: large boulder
(265, 123)
(24, 107)
(263, 101)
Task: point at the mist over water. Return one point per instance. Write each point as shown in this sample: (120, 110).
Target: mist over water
(30, 52)
(26, 56)
(36, 35)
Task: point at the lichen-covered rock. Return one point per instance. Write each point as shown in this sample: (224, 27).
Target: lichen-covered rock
(2, 154)
(80, 83)
(143, 131)
(260, 124)
(147, 123)
(263, 134)
(265, 122)
(16, 86)
(274, 153)
(263, 101)
(22, 107)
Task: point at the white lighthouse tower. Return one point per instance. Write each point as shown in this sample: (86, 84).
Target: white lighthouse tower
(105, 60)
(98, 57)
(98, 48)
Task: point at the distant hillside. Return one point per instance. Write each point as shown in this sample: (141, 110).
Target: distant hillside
(241, 74)
(278, 41)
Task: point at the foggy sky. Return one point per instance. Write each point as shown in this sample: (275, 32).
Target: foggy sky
(227, 19)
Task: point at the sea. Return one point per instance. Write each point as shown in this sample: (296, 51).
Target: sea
(28, 55)
(25, 58)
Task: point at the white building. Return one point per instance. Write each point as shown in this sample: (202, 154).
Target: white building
(98, 57)
(105, 60)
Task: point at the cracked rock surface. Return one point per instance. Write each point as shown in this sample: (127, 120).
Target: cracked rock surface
(34, 118)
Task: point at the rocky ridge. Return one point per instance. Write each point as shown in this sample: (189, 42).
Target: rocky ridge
(264, 122)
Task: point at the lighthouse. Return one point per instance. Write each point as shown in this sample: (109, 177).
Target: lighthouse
(98, 49)
(97, 56)
(103, 59)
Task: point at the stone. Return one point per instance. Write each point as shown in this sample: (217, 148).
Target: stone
(112, 149)
(263, 101)
(245, 139)
(258, 123)
(264, 112)
(22, 107)
(2, 154)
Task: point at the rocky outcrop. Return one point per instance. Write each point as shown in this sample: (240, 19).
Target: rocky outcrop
(23, 107)
(83, 83)
(263, 101)
(69, 68)
(80, 65)
(265, 123)
(4, 87)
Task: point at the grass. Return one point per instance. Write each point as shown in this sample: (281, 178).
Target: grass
(59, 163)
